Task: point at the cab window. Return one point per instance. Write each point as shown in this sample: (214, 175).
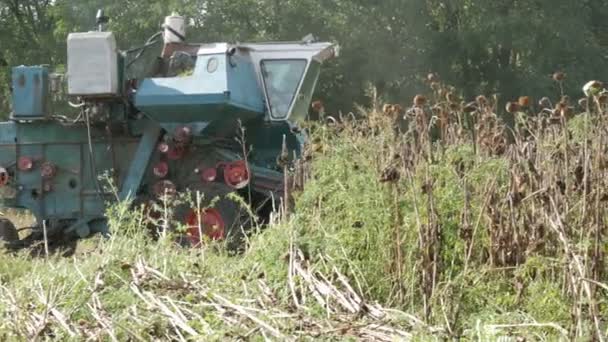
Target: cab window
(281, 80)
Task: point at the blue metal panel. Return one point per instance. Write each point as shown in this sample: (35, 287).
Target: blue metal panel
(243, 85)
(230, 87)
(162, 95)
(184, 90)
(8, 133)
(72, 192)
(30, 92)
(139, 164)
(63, 200)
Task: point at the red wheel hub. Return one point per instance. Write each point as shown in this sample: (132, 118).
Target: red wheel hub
(209, 175)
(211, 225)
(25, 163)
(163, 147)
(176, 152)
(4, 177)
(161, 170)
(183, 135)
(236, 174)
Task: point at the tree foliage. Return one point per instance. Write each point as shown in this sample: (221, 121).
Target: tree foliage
(508, 47)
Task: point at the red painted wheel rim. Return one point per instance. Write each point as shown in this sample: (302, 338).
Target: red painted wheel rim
(25, 163)
(163, 147)
(236, 174)
(176, 152)
(4, 176)
(183, 135)
(212, 225)
(209, 175)
(161, 170)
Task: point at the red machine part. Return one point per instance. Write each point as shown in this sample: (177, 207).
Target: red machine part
(161, 170)
(163, 147)
(164, 187)
(176, 152)
(236, 174)
(48, 170)
(4, 177)
(183, 135)
(211, 224)
(25, 163)
(209, 175)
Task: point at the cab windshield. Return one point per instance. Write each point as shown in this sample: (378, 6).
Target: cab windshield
(281, 80)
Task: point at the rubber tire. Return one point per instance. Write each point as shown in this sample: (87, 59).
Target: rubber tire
(233, 215)
(8, 232)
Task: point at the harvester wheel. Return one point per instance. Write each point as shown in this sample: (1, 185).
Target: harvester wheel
(220, 220)
(8, 232)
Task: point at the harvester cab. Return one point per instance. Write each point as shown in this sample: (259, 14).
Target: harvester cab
(277, 79)
(273, 80)
(202, 82)
(207, 118)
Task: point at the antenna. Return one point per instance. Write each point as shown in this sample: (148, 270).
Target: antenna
(309, 39)
(102, 20)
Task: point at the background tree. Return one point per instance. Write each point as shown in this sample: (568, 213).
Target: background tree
(25, 38)
(508, 47)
